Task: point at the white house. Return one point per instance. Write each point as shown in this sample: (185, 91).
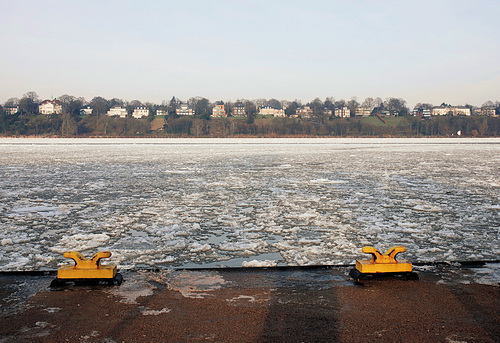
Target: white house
(50, 107)
(453, 110)
(279, 112)
(462, 111)
(271, 111)
(87, 110)
(342, 112)
(363, 111)
(440, 110)
(184, 110)
(11, 110)
(304, 111)
(141, 111)
(117, 111)
(488, 110)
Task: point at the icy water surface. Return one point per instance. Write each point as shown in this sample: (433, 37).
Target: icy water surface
(247, 202)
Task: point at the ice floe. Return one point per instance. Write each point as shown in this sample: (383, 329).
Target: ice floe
(174, 203)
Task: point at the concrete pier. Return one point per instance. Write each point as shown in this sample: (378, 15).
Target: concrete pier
(449, 303)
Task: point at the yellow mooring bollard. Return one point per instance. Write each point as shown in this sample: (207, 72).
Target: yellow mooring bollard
(383, 265)
(86, 271)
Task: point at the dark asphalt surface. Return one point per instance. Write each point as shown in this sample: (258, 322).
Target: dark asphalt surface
(447, 304)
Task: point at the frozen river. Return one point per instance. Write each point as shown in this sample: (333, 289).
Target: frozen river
(247, 202)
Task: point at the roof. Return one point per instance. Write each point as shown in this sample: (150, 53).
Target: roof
(55, 102)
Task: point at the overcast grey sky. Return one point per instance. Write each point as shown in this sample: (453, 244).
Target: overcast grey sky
(421, 51)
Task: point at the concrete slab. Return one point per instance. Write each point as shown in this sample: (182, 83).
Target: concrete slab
(448, 304)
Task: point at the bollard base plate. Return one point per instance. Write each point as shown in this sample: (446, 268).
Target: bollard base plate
(61, 283)
(358, 276)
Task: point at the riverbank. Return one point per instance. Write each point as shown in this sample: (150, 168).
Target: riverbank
(261, 127)
(449, 303)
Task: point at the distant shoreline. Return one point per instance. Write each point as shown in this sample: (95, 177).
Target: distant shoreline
(454, 138)
(233, 127)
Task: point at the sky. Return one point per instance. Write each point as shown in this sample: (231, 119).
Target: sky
(422, 51)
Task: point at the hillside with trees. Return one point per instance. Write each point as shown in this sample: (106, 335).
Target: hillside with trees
(386, 118)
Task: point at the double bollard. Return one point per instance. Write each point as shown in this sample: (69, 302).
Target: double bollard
(87, 271)
(383, 265)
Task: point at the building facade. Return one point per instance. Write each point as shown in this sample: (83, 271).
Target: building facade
(239, 110)
(421, 112)
(50, 107)
(342, 112)
(184, 110)
(450, 110)
(280, 112)
(87, 110)
(440, 110)
(11, 110)
(218, 111)
(140, 112)
(462, 111)
(117, 111)
(271, 111)
(363, 112)
(304, 112)
(486, 111)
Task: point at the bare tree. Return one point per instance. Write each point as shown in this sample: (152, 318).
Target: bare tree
(99, 105)
(424, 106)
(340, 103)
(329, 103)
(353, 105)
(135, 103)
(396, 106)
(66, 99)
(116, 102)
(369, 103)
(274, 103)
(68, 126)
(12, 102)
(28, 105)
(318, 108)
(259, 102)
(32, 95)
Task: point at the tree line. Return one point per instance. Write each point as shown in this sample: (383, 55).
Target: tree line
(342, 127)
(71, 123)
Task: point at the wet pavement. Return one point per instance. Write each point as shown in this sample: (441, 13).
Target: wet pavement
(449, 303)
